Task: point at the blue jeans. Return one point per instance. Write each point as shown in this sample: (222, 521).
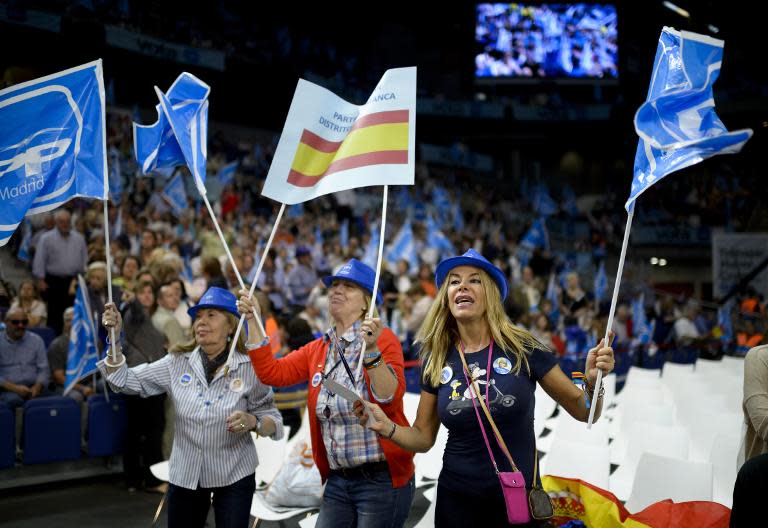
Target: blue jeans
(231, 505)
(367, 501)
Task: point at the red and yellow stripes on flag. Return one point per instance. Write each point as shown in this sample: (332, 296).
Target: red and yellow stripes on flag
(597, 508)
(380, 138)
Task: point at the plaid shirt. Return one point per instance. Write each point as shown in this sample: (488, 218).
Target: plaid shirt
(347, 443)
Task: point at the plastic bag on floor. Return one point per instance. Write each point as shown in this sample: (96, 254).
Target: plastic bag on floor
(298, 482)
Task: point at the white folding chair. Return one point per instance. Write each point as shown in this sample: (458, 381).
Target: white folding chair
(428, 520)
(710, 368)
(659, 478)
(646, 438)
(566, 427)
(309, 521)
(704, 426)
(429, 464)
(263, 511)
(630, 415)
(411, 406)
(672, 373)
(735, 364)
(724, 459)
(271, 455)
(161, 471)
(577, 460)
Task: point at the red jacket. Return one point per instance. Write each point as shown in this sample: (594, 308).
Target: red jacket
(303, 364)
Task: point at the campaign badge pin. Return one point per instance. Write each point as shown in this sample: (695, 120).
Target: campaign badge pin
(502, 365)
(446, 374)
(316, 379)
(236, 385)
(185, 379)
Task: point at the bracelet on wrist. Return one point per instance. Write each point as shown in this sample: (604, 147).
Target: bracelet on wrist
(392, 432)
(256, 346)
(119, 364)
(373, 363)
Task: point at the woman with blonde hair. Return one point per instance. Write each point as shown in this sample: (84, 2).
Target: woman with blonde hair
(216, 407)
(369, 480)
(30, 303)
(469, 346)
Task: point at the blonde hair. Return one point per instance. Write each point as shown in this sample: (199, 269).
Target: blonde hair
(190, 345)
(439, 331)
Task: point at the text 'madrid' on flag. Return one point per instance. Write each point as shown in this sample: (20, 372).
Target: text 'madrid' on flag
(83, 353)
(180, 134)
(53, 144)
(677, 124)
(330, 145)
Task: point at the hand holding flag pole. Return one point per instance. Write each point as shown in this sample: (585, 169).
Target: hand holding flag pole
(677, 125)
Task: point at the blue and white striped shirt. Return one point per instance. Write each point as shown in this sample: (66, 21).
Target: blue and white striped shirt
(204, 453)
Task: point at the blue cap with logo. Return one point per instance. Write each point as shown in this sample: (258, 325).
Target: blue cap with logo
(217, 298)
(475, 259)
(358, 273)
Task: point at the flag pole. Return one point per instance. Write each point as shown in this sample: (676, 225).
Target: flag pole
(113, 341)
(616, 285)
(378, 273)
(255, 280)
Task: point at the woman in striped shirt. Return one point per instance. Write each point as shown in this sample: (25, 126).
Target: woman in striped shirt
(216, 407)
(369, 479)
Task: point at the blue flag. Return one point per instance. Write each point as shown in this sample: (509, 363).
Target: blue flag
(26, 242)
(543, 203)
(176, 195)
(677, 125)
(115, 176)
(601, 282)
(371, 255)
(344, 233)
(569, 201)
(724, 322)
(52, 144)
(83, 354)
(227, 173)
(536, 236)
(438, 240)
(180, 134)
(640, 326)
(404, 248)
(554, 298)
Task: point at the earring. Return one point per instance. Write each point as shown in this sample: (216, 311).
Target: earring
(229, 339)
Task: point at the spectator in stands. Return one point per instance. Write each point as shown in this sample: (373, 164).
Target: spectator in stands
(129, 271)
(542, 331)
(749, 336)
(57, 361)
(96, 278)
(365, 476)
(272, 281)
(211, 270)
(425, 280)
(148, 245)
(61, 254)
(685, 330)
(402, 280)
(181, 312)
(468, 319)
(6, 296)
(30, 302)
(230, 272)
(574, 300)
(270, 323)
(217, 405)
(531, 286)
(163, 318)
(414, 308)
(752, 481)
(301, 279)
(24, 371)
(145, 416)
(622, 326)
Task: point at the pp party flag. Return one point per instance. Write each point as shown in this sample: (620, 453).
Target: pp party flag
(404, 248)
(175, 194)
(576, 500)
(26, 242)
(83, 353)
(52, 144)
(372, 249)
(601, 282)
(677, 125)
(226, 174)
(543, 203)
(180, 134)
(536, 236)
(330, 145)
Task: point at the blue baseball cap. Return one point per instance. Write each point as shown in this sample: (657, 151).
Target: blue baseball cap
(217, 298)
(358, 273)
(474, 259)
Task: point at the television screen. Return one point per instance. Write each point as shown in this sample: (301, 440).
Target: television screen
(555, 41)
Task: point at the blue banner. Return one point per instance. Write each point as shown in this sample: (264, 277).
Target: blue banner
(601, 282)
(677, 125)
(175, 194)
(83, 353)
(52, 144)
(404, 248)
(227, 173)
(180, 134)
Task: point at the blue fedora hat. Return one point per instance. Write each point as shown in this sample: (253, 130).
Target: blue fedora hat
(217, 298)
(358, 273)
(475, 259)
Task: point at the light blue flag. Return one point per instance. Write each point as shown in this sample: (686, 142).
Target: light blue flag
(186, 270)
(115, 176)
(83, 353)
(180, 134)
(52, 144)
(640, 326)
(176, 195)
(296, 210)
(554, 298)
(371, 255)
(319, 235)
(569, 201)
(677, 125)
(344, 233)
(26, 242)
(543, 203)
(442, 205)
(724, 322)
(601, 282)
(227, 173)
(438, 240)
(403, 247)
(536, 236)
(458, 218)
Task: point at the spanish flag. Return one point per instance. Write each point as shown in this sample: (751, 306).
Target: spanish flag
(329, 145)
(576, 500)
(380, 138)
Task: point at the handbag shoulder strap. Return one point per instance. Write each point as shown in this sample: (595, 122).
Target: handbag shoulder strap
(479, 395)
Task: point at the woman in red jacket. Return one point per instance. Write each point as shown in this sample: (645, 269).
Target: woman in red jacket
(369, 478)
